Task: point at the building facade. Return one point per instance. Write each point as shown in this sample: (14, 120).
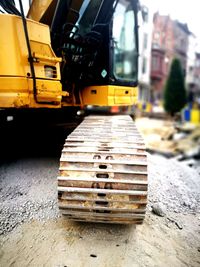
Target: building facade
(170, 40)
(196, 87)
(193, 71)
(145, 18)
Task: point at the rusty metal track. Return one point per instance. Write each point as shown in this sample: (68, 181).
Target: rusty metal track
(103, 172)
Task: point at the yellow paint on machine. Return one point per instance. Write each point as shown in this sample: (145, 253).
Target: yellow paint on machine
(44, 10)
(16, 83)
(17, 92)
(109, 95)
(13, 92)
(39, 8)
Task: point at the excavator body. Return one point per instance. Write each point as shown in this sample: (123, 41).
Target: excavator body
(66, 54)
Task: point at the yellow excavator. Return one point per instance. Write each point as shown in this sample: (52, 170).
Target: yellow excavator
(67, 54)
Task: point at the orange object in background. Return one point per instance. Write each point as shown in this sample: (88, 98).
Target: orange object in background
(115, 109)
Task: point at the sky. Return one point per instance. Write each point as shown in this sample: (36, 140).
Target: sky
(177, 9)
(182, 10)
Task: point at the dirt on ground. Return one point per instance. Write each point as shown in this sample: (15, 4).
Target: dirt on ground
(171, 138)
(63, 243)
(34, 234)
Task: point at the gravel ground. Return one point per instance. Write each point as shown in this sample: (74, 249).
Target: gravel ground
(28, 190)
(34, 234)
(174, 184)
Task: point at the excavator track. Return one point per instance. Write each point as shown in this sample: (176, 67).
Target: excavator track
(103, 172)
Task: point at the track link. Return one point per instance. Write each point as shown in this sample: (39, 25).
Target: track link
(103, 172)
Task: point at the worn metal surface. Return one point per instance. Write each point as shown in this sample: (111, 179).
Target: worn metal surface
(103, 172)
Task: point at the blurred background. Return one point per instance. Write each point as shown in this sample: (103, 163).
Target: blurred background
(169, 30)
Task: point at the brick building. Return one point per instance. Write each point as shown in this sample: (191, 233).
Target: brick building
(169, 40)
(193, 71)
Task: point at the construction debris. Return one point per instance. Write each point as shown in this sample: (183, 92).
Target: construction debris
(159, 209)
(189, 146)
(170, 139)
(178, 224)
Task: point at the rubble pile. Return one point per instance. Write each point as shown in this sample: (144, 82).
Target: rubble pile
(158, 135)
(189, 145)
(173, 185)
(170, 139)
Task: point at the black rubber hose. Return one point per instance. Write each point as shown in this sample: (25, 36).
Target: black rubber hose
(9, 7)
(30, 58)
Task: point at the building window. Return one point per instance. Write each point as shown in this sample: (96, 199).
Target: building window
(145, 41)
(183, 43)
(166, 65)
(144, 65)
(155, 63)
(191, 69)
(156, 35)
(198, 63)
(168, 43)
(155, 45)
(145, 14)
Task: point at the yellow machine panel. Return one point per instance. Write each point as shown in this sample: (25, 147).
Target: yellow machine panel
(110, 95)
(17, 88)
(16, 85)
(38, 9)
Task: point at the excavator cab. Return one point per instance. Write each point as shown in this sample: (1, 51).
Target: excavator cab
(101, 46)
(100, 51)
